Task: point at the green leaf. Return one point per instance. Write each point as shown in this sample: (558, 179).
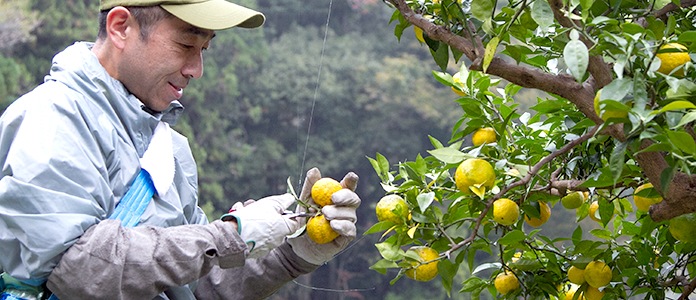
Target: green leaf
(601, 233)
(441, 56)
(424, 200)
(482, 9)
(542, 14)
(577, 235)
(606, 211)
(577, 58)
(447, 270)
(443, 77)
(382, 265)
(676, 105)
(379, 227)
(390, 251)
(490, 52)
(686, 119)
(448, 155)
(683, 141)
(472, 283)
(617, 160)
(486, 266)
(512, 237)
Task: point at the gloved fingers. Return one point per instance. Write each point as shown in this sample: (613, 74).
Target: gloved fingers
(344, 227)
(333, 212)
(236, 206)
(345, 197)
(350, 181)
(312, 176)
(293, 224)
(239, 205)
(278, 203)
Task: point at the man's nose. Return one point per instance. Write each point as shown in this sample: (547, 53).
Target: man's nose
(194, 67)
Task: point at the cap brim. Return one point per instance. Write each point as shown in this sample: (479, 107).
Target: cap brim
(216, 15)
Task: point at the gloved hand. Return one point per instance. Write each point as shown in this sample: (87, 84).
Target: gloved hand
(341, 215)
(261, 223)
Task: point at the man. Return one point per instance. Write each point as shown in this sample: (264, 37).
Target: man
(98, 196)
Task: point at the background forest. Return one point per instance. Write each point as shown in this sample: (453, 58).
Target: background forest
(277, 101)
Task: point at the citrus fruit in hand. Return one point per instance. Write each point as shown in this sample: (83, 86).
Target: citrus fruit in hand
(671, 56)
(644, 203)
(597, 274)
(392, 208)
(682, 227)
(474, 173)
(505, 211)
(607, 113)
(573, 200)
(506, 282)
(323, 189)
(484, 135)
(544, 214)
(592, 293)
(422, 271)
(320, 231)
(576, 275)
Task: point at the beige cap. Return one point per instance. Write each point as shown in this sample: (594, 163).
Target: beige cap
(206, 14)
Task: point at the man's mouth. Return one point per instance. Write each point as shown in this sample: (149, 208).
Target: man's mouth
(178, 91)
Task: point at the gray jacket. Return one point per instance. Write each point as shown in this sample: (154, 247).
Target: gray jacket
(68, 152)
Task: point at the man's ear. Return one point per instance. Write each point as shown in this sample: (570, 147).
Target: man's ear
(120, 24)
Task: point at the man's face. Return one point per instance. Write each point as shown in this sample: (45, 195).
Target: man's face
(157, 69)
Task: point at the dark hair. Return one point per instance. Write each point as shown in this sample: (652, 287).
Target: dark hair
(146, 16)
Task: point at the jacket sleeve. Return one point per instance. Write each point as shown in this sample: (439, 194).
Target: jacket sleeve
(141, 262)
(258, 279)
(54, 185)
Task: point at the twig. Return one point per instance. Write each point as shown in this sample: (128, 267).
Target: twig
(688, 289)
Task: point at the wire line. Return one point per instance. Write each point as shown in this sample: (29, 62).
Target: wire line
(316, 92)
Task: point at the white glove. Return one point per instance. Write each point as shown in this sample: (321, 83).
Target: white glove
(341, 215)
(261, 223)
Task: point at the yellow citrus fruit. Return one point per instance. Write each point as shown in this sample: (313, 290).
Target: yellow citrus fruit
(474, 173)
(570, 293)
(644, 203)
(607, 114)
(323, 189)
(320, 231)
(573, 200)
(484, 135)
(592, 293)
(682, 227)
(505, 211)
(505, 283)
(419, 34)
(422, 271)
(576, 275)
(597, 274)
(670, 60)
(594, 213)
(392, 208)
(544, 214)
